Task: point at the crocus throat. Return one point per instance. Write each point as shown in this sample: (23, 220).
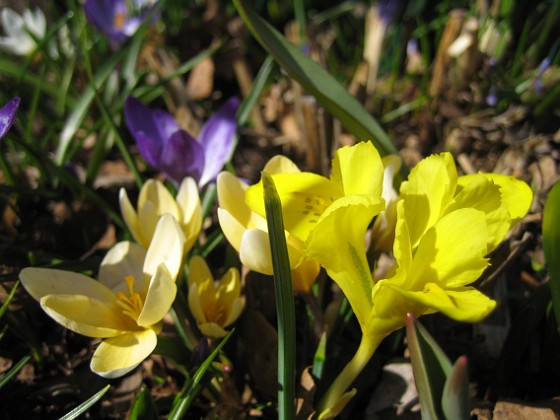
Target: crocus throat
(215, 313)
(132, 305)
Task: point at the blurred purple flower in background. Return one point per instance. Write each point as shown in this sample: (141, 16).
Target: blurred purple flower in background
(7, 115)
(115, 19)
(168, 148)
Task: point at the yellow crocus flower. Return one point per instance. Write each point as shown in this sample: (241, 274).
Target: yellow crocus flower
(247, 231)
(214, 308)
(154, 201)
(125, 307)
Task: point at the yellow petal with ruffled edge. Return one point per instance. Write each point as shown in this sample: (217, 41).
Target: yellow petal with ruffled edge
(337, 242)
(190, 209)
(117, 356)
(516, 194)
(358, 169)
(159, 298)
(428, 191)
(86, 316)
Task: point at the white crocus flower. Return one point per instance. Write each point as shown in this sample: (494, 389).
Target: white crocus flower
(22, 30)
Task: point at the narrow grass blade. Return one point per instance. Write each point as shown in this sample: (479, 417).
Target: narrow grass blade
(83, 407)
(284, 300)
(184, 402)
(8, 299)
(551, 245)
(14, 370)
(143, 407)
(317, 81)
(430, 366)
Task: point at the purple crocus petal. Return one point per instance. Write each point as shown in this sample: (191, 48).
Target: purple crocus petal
(216, 138)
(7, 115)
(110, 17)
(182, 156)
(150, 129)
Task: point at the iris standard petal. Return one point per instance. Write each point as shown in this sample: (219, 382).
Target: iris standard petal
(358, 169)
(7, 115)
(181, 156)
(124, 259)
(85, 315)
(428, 191)
(347, 220)
(166, 247)
(216, 138)
(159, 298)
(280, 164)
(117, 356)
(41, 282)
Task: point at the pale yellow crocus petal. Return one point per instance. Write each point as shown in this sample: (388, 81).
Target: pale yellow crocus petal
(188, 201)
(85, 315)
(166, 247)
(280, 165)
(228, 288)
(516, 194)
(148, 217)
(194, 304)
(117, 356)
(129, 215)
(212, 329)
(428, 191)
(358, 169)
(346, 221)
(231, 197)
(232, 229)
(124, 259)
(254, 251)
(234, 311)
(41, 282)
(199, 271)
(159, 298)
(155, 192)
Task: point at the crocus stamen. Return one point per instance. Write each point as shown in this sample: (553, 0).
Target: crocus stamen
(119, 20)
(132, 305)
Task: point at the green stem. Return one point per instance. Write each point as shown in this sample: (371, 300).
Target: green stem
(344, 380)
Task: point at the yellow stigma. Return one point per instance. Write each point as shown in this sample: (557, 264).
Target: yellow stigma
(131, 305)
(118, 21)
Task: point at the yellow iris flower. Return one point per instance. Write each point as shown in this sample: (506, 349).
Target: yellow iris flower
(125, 307)
(214, 308)
(247, 231)
(154, 201)
(445, 228)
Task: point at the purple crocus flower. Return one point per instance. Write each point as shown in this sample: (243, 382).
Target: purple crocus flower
(115, 19)
(165, 146)
(7, 115)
